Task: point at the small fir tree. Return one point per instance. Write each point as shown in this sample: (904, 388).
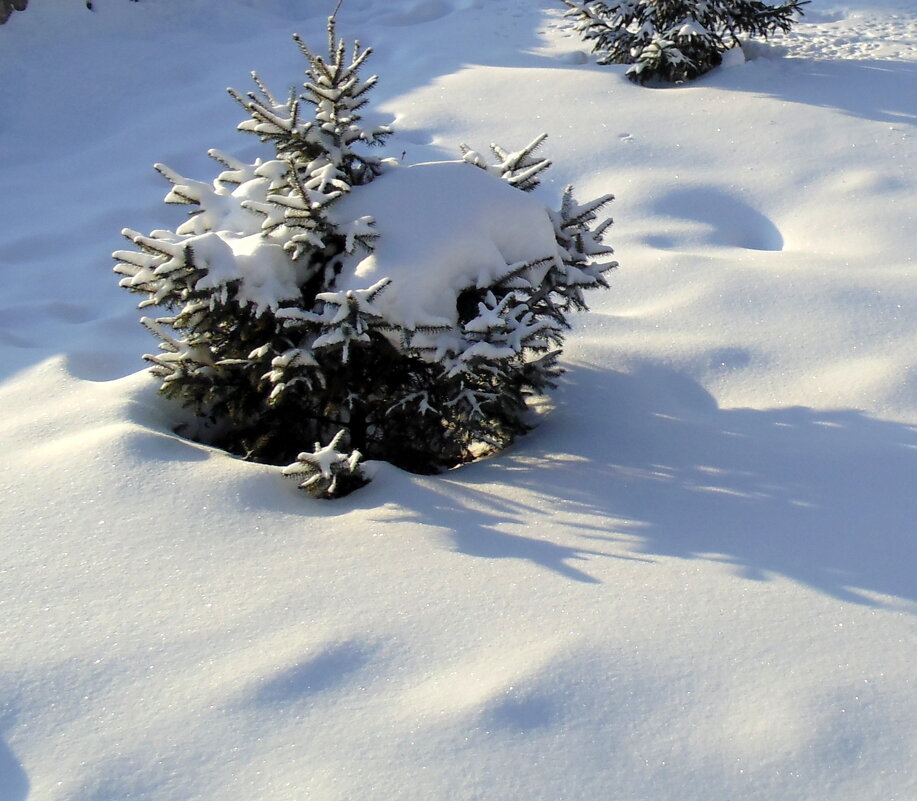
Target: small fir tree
(674, 40)
(269, 337)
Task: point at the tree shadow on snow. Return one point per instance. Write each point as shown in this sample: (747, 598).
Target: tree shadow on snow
(476, 517)
(825, 498)
(871, 89)
(416, 43)
(14, 783)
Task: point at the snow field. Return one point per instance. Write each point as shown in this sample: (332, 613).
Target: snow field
(694, 580)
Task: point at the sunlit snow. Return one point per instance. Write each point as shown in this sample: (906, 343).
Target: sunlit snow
(695, 580)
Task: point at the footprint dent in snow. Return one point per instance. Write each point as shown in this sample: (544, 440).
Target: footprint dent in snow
(521, 711)
(725, 359)
(823, 15)
(832, 34)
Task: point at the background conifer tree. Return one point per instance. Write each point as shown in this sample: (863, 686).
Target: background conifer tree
(674, 40)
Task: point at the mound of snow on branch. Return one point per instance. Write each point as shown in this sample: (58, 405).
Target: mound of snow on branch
(443, 227)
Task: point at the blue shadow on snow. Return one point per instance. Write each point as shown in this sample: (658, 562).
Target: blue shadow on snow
(824, 498)
(14, 783)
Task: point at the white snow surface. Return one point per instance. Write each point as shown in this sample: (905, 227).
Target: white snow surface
(695, 580)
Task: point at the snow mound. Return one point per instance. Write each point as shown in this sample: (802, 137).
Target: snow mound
(443, 227)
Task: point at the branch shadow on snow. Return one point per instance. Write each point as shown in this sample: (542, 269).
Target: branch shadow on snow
(476, 519)
(648, 462)
(327, 669)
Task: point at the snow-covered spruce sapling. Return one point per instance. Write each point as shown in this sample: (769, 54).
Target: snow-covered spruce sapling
(281, 330)
(675, 40)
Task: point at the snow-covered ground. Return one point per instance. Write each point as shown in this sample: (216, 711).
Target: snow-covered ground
(697, 579)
